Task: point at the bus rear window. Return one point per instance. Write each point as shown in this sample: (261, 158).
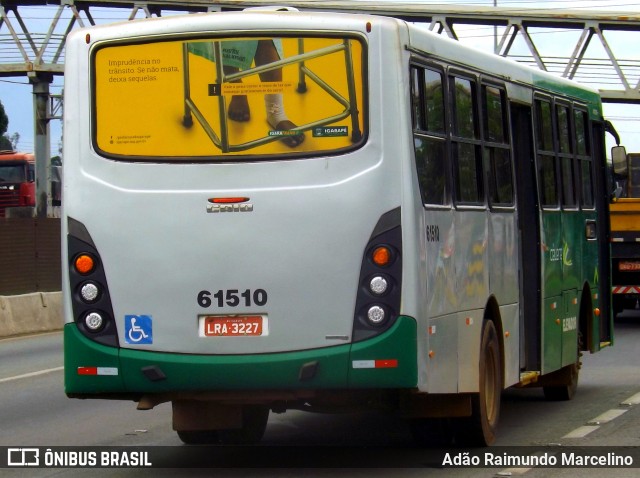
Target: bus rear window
(235, 98)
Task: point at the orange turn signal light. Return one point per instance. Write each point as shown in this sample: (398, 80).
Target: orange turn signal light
(84, 264)
(381, 256)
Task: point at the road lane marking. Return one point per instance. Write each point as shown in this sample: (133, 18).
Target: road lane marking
(633, 400)
(581, 432)
(518, 470)
(512, 472)
(607, 416)
(32, 374)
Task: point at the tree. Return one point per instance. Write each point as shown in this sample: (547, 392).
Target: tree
(15, 139)
(5, 143)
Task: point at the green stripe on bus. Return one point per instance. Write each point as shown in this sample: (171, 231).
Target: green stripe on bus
(396, 350)
(80, 352)
(189, 372)
(576, 91)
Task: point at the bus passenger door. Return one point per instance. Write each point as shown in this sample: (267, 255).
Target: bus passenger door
(601, 197)
(529, 240)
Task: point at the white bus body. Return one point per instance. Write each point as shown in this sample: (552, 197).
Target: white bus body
(231, 278)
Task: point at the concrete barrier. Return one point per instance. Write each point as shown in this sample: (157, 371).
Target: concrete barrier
(30, 313)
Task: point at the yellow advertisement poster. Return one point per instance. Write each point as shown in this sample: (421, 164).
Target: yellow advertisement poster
(218, 97)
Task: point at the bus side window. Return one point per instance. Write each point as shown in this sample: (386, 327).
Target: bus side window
(545, 152)
(465, 145)
(583, 151)
(565, 146)
(497, 151)
(429, 134)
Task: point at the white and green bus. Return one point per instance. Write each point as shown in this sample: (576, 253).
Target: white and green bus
(275, 210)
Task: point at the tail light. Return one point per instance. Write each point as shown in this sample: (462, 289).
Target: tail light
(92, 309)
(379, 291)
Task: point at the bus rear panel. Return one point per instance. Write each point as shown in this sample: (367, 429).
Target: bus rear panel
(281, 210)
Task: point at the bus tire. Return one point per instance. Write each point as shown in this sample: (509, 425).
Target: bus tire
(563, 383)
(566, 386)
(432, 432)
(254, 424)
(482, 426)
(199, 437)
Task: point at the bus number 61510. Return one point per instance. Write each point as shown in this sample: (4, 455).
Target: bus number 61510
(232, 298)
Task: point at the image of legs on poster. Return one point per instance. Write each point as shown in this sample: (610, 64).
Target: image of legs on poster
(265, 53)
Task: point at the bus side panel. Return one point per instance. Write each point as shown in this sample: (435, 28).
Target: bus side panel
(456, 255)
(503, 257)
(471, 259)
(503, 263)
(442, 365)
(576, 262)
(468, 345)
(552, 246)
(441, 292)
(457, 280)
(570, 261)
(552, 334)
(570, 327)
(510, 316)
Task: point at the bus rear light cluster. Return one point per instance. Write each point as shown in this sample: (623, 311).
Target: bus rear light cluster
(91, 302)
(378, 299)
(85, 267)
(89, 292)
(376, 315)
(84, 264)
(94, 321)
(381, 256)
(378, 285)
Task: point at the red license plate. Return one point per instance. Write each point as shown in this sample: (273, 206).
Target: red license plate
(628, 266)
(234, 326)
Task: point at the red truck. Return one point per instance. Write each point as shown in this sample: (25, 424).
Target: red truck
(17, 180)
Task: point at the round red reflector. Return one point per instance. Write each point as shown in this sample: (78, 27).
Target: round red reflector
(381, 256)
(84, 264)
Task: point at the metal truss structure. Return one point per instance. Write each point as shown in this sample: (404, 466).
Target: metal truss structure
(596, 48)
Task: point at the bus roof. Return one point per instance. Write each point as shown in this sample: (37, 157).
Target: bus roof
(444, 48)
(436, 45)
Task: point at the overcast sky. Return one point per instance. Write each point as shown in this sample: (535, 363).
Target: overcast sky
(16, 93)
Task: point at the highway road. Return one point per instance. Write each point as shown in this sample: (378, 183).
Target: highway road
(34, 411)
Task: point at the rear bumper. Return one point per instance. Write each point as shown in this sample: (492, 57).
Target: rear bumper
(386, 361)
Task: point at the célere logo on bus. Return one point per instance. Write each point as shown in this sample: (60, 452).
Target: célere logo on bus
(232, 204)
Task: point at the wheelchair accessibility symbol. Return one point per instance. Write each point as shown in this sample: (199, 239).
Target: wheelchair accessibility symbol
(138, 329)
